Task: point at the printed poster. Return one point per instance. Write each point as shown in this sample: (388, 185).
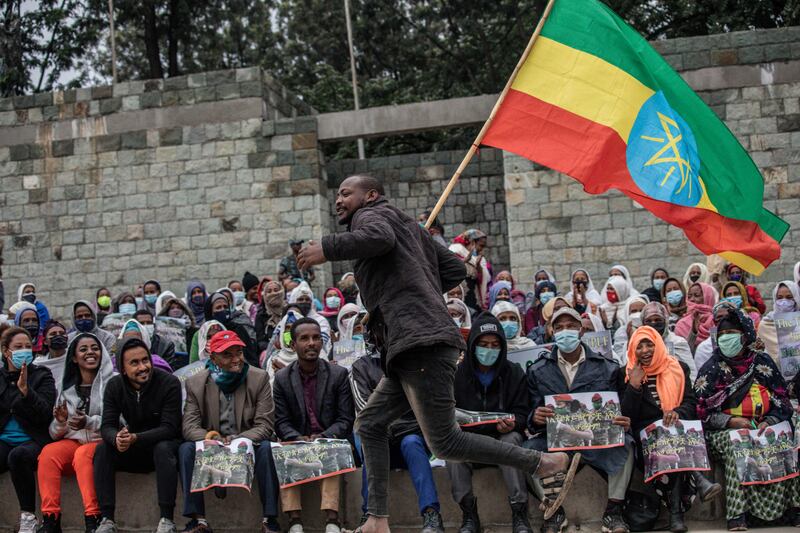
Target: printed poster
(217, 465)
(303, 462)
(173, 329)
(468, 419)
(787, 325)
(599, 342)
(678, 448)
(113, 323)
(767, 458)
(345, 353)
(583, 421)
(528, 356)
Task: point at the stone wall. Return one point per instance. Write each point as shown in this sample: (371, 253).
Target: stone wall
(415, 182)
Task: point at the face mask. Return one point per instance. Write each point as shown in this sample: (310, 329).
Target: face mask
(275, 299)
(545, 297)
(175, 312)
(198, 299)
(658, 284)
(735, 277)
(333, 302)
(33, 331)
(674, 297)
(222, 316)
(21, 357)
(304, 308)
(127, 309)
(612, 297)
(735, 300)
(510, 328)
(730, 344)
(635, 319)
(238, 298)
(139, 301)
(148, 328)
(487, 356)
(150, 299)
(104, 301)
(694, 277)
(85, 325)
(457, 321)
(567, 340)
(358, 337)
(59, 342)
(784, 306)
(30, 298)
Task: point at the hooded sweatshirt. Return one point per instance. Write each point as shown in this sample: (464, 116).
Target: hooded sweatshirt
(197, 310)
(105, 337)
(41, 309)
(70, 383)
(507, 392)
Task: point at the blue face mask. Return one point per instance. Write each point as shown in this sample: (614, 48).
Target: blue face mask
(730, 344)
(735, 300)
(487, 356)
(238, 298)
(510, 328)
(151, 298)
(674, 297)
(127, 309)
(358, 337)
(332, 302)
(545, 297)
(658, 284)
(735, 277)
(567, 340)
(85, 325)
(139, 301)
(21, 357)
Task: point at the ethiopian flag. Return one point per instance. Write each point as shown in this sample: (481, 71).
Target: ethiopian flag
(595, 101)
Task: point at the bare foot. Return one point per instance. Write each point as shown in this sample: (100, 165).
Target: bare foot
(376, 524)
(552, 463)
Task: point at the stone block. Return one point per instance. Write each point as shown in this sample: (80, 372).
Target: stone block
(250, 89)
(107, 143)
(110, 105)
(105, 91)
(150, 99)
(133, 140)
(171, 136)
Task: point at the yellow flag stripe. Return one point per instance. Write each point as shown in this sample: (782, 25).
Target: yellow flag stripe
(582, 84)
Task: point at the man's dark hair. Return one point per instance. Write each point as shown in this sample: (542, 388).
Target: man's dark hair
(304, 320)
(368, 183)
(143, 312)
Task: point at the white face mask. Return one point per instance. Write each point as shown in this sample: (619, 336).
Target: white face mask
(635, 319)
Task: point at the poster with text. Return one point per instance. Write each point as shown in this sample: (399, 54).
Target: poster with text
(528, 356)
(217, 465)
(787, 326)
(767, 458)
(467, 419)
(172, 329)
(678, 448)
(599, 342)
(345, 353)
(302, 462)
(583, 421)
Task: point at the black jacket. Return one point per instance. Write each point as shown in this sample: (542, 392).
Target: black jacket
(334, 403)
(263, 332)
(596, 374)
(401, 273)
(34, 412)
(164, 349)
(153, 413)
(507, 393)
(642, 409)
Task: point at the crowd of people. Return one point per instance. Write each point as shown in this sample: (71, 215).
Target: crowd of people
(77, 399)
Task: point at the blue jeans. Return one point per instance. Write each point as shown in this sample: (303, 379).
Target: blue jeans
(415, 455)
(194, 503)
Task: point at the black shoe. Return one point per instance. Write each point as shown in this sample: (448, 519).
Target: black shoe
(614, 523)
(92, 521)
(519, 518)
(557, 523)
(738, 523)
(676, 523)
(471, 522)
(270, 525)
(51, 523)
(196, 526)
(706, 489)
(432, 522)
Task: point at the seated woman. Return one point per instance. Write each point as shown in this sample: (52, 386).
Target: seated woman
(501, 290)
(27, 395)
(673, 295)
(734, 292)
(741, 388)
(508, 315)
(659, 387)
(785, 299)
(534, 321)
(76, 431)
(696, 324)
(633, 319)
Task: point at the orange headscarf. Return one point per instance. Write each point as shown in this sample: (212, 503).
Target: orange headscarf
(667, 371)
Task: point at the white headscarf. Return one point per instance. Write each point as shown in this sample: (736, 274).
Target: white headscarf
(345, 310)
(518, 342)
(202, 333)
(705, 277)
(162, 299)
(627, 275)
(620, 286)
(467, 322)
(796, 272)
(22, 288)
(591, 293)
(140, 327)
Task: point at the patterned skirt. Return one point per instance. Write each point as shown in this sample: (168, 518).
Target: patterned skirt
(767, 502)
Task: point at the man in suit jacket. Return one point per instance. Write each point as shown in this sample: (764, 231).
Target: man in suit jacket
(229, 400)
(312, 400)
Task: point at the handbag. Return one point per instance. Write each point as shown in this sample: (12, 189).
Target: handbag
(641, 511)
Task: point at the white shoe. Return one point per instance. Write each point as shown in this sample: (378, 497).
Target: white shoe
(296, 528)
(106, 526)
(333, 528)
(166, 526)
(27, 522)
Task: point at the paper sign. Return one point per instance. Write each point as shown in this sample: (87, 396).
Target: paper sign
(467, 419)
(787, 325)
(678, 448)
(599, 342)
(304, 462)
(345, 353)
(172, 329)
(767, 458)
(583, 421)
(528, 356)
(217, 465)
(114, 322)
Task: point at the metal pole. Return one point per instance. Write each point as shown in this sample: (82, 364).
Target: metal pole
(113, 42)
(353, 70)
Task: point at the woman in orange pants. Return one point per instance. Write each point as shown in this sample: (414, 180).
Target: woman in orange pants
(76, 431)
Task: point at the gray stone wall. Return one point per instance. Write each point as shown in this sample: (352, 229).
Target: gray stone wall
(415, 182)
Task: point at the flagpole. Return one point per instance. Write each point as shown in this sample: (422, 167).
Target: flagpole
(474, 148)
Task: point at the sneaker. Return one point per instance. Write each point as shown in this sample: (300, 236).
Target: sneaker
(738, 523)
(333, 527)
(614, 523)
(297, 527)
(27, 522)
(51, 523)
(92, 521)
(165, 525)
(432, 522)
(106, 526)
(197, 526)
(556, 523)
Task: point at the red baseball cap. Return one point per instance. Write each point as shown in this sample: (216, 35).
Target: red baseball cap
(222, 340)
